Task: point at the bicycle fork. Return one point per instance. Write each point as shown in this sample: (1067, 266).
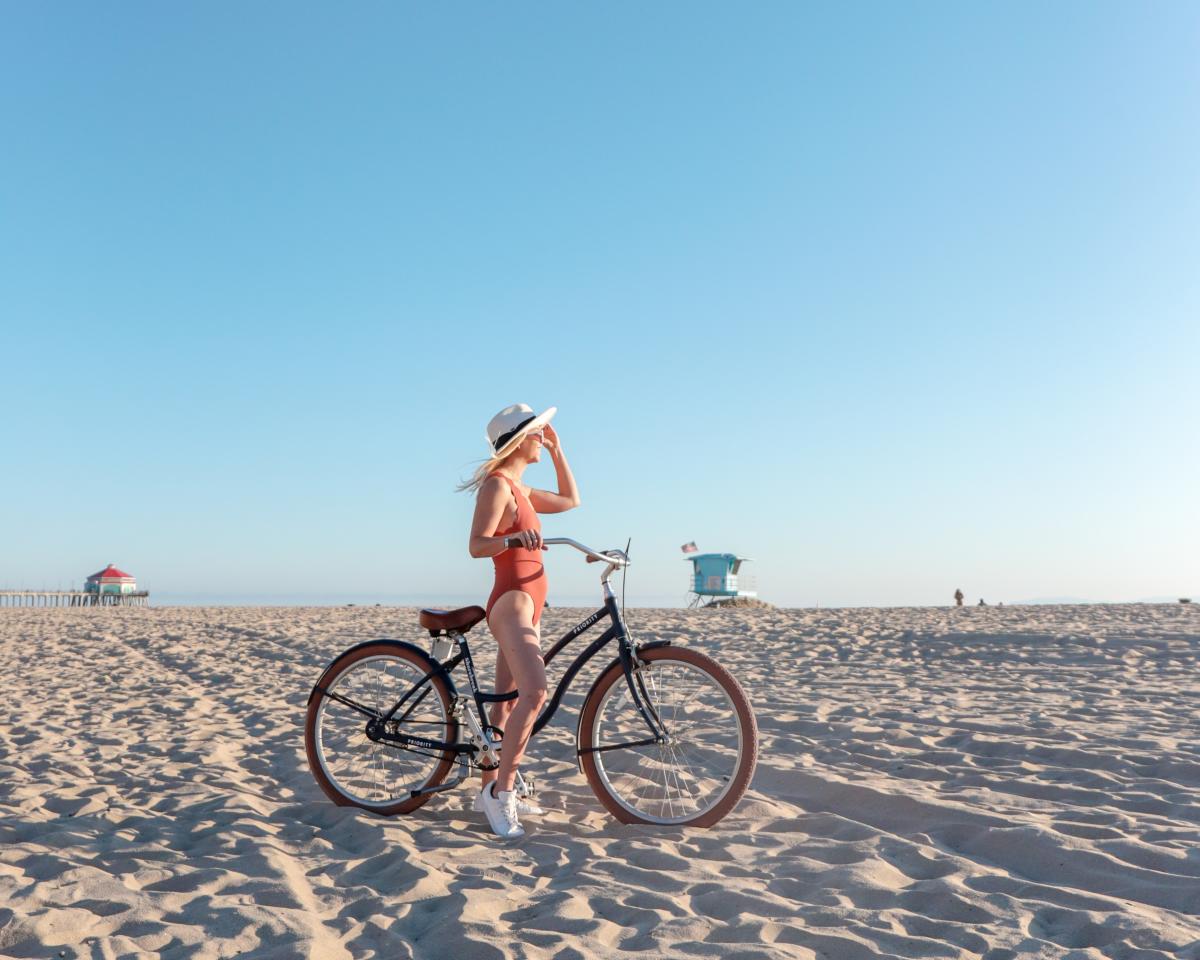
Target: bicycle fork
(635, 670)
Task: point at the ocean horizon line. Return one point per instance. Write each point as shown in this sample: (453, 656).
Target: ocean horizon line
(369, 600)
(649, 601)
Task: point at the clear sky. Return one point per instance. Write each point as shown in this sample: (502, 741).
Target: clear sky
(892, 298)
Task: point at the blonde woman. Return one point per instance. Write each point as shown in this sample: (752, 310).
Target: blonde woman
(506, 528)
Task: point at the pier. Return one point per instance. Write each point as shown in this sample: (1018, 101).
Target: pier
(72, 598)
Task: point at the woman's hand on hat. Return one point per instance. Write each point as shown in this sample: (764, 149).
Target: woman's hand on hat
(550, 439)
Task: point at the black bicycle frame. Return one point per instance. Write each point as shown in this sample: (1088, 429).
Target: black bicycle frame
(615, 631)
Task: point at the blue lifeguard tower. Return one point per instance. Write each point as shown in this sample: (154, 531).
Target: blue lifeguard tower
(715, 575)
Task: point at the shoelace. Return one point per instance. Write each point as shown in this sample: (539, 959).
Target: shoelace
(508, 807)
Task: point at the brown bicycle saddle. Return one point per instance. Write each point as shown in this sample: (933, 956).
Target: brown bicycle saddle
(462, 619)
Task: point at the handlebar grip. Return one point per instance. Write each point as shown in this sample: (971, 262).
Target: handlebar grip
(515, 543)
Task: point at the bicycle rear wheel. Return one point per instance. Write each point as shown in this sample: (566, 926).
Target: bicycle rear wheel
(703, 770)
(350, 767)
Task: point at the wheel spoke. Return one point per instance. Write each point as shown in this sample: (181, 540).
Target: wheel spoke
(374, 773)
(680, 780)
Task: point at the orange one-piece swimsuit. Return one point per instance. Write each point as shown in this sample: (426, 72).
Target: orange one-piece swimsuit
(518, 568)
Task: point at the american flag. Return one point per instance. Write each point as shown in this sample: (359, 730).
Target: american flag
(689, 547)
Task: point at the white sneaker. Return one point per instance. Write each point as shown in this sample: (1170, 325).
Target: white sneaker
(525, 807)
(501, 810)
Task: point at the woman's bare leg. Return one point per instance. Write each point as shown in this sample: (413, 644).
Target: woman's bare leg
(520, 642)
(500, 711)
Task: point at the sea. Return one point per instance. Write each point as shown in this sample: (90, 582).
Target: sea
(447, 601)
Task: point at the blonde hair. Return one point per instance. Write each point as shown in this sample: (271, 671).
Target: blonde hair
(482, 472)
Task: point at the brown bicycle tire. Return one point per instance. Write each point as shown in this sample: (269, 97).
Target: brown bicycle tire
(339, 667)
(749, 759)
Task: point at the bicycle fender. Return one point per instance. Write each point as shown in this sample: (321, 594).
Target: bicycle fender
(615, 662)
(434, 665)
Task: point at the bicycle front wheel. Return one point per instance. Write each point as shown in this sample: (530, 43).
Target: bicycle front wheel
(350, 767)
(705, 766)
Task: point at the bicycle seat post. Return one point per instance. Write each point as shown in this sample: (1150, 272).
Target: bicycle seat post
(440, 646)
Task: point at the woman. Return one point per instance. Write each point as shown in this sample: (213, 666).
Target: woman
(506, 528)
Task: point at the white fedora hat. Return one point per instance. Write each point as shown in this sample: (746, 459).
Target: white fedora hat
(511, 425)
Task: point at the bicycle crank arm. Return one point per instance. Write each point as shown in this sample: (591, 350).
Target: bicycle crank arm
(464, 774)
(426, 791)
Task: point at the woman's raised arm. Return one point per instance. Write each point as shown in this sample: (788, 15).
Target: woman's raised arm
(567, 498)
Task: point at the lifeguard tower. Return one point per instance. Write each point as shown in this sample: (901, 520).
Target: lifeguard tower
(715, 575)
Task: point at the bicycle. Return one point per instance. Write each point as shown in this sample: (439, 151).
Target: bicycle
(675, 743)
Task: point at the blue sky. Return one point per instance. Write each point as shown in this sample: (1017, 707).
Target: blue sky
(891, 298)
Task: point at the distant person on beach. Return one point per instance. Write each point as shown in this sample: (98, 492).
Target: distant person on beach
(506, 528)
(958, 598)
(981, 603)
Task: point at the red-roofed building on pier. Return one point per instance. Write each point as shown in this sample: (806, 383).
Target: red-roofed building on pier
(111, 586)
(110, 580)
(108, 588)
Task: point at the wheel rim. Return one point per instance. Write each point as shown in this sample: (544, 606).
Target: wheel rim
(367, 772)
(679, 781)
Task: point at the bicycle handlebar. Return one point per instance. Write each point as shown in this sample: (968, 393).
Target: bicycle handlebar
(616, 557)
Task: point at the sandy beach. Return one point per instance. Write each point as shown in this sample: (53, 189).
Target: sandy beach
(988, 782)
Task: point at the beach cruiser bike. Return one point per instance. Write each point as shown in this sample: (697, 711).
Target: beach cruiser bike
(666, 735)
